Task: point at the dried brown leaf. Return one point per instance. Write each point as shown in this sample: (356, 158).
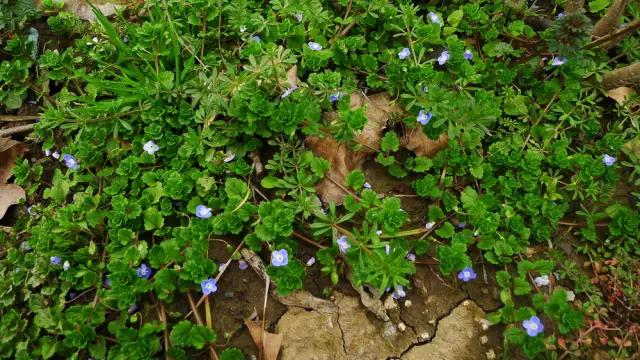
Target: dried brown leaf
(621, 94)
(415, 140)
(10, 150)
(292, 77)
(10, 194)
(271, 343)
(342, 159)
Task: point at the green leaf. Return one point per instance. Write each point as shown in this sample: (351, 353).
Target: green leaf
(269, 182)
(232, 354)
(521, 286)
(455, 17)
(447, 230)
(153, 219)
(390, 142)
(186, 334)
(598, 5)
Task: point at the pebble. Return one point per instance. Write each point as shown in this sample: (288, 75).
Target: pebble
(484, 339)
(407, 303)
(485, 324)
(466, 303)
(389, 330)
(228, 294)
(402, 326)
(490, 354)
(424, 336)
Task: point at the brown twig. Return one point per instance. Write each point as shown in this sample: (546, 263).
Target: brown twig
(16, 130)
(615, 36)
(212, 351)
(19, 117)
(609, 20)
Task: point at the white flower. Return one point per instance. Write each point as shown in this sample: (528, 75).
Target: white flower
(541, 280)
(378, 232)
(56, 155)
(66, 265)
(243, 29)
(95, 39)
(558, 60)
(311, 261)
(366, 185)
(47, 152)
(429, 225)
(150, 147)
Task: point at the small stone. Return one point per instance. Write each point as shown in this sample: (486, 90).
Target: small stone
(432, 321)
(466, 303)
(424, 336)
(485, 291)
(402, 326)
(484, 339)
(485, 324)
(228, 294)
(407, 303)
(389, 303)
(490, 354)
(389, 330)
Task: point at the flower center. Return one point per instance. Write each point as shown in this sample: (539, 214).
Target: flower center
(533, 326)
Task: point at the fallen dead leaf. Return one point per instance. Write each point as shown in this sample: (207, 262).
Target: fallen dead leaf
(292, 77)
(10, 194)
(415, 140)
(10, 150)
(621, 94)
(342, 158)
(271, 343)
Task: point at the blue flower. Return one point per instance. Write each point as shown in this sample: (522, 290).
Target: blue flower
(243, 265)
(404, 53)
(203, 212)
(558, 60)
(70, 161)
(424, 88)
(399, 292)
(424, 117)
(311, 261)
(144, 271)
(209, 286)
(150, 147)
(366, 185)
(533, 326)
(298, 16)
(279, 257)
(55, 260)
(434, 18)
(314, 46)
(560, 14)
(107, 282)
(411, 257)
(133, 308)
(608, 160)
(429, 225)
(443, 58)
(343, 244)
(467, 274)
(256, 38)
(288, 92)
(468, 55)
(334, 98)
(541, 280)
(461, 225)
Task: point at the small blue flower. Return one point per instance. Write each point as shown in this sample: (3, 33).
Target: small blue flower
(55, 260)
(334, 98)
(209, 286)
(461, 225)
(467, 274)
(311, 261)
(434, 18)
(404, 53)
(243, 265)
(560, 14)
(203, 212)
(533, 326)
(298, 16)
(399, 292)
(366, 185)
(558, 60)
(256, 38)
(150, 147)
(107, 282)
(279, 257)
(314, 46)
(608, 160)
(144, 271)
(288, 92)
(133, 308)
(70, 161)
(443, 58)
(424, 88)
(343, 244)
(468, 55)
(541, 280)
(429, 225)
(411, 257)
(424, 117)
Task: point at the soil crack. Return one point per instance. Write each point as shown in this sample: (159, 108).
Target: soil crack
(435, 331)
